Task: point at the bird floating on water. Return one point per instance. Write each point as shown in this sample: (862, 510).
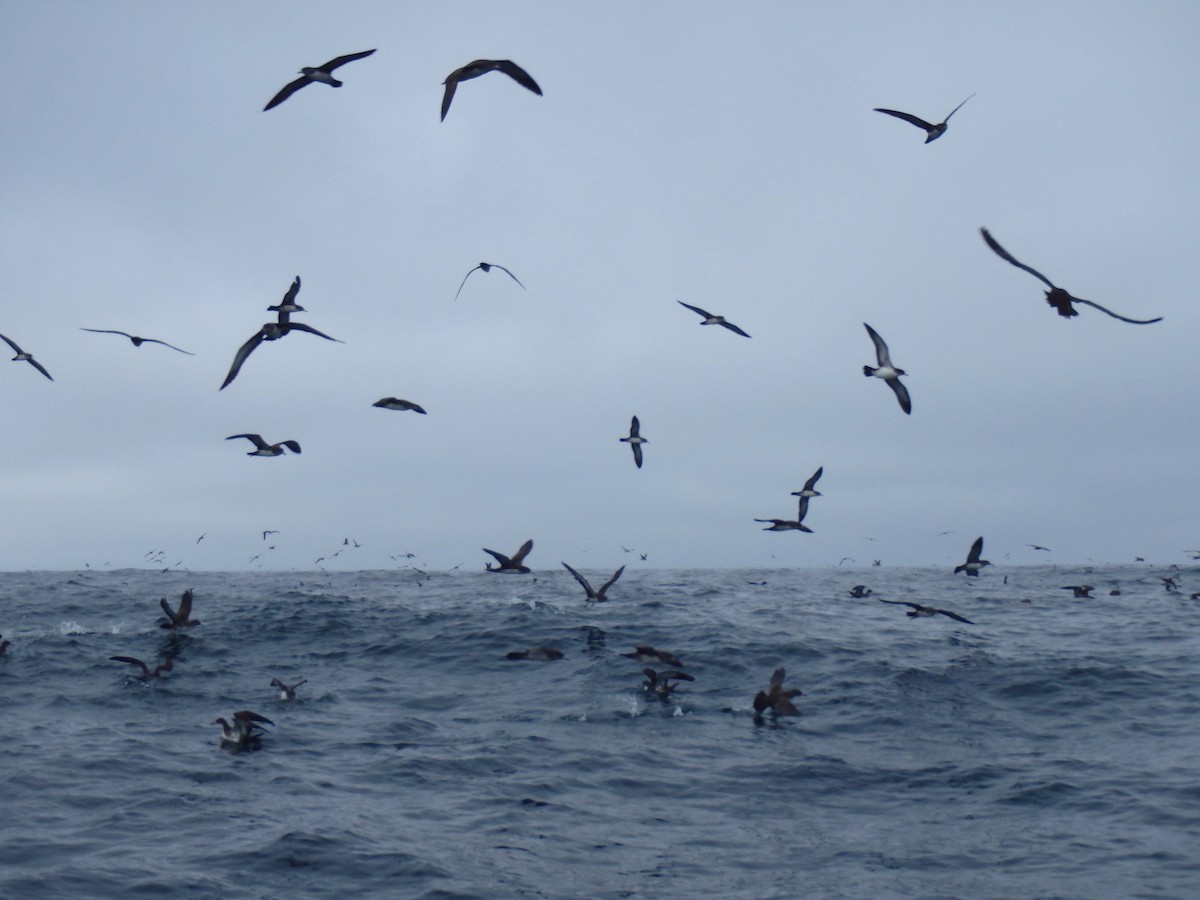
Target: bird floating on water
(597, 596)
(635, 441)
(644, 653)
(180, 618)
(1079, 591)
(710, 319)
(1056, 296)
(487, 267)
(245, 731)
(287, 692)
(859, 591)
(22, 356)
(918, 611)
(482, 67)
(933, 132)
(776, 698)
(887, 371)
(973, 563)
(659, 683)
(310, 74)
(262, 448)
(544, 654)
(515, 565)
(155, 673)
(137, 341)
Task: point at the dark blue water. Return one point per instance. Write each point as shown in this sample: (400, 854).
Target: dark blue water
(1049, 750)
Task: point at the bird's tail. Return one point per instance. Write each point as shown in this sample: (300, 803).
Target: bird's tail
(868, 371)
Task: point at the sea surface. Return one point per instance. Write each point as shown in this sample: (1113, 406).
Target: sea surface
(1050, 749)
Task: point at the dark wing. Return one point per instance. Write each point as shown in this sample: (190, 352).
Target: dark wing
(909, 117)
(956, 109)
(808, 485)
(451, 83)
(287, 91)
(289, 299)
(157, 341)
(300, 326)
(350, 57)
(637, 454)
(695, 309)
(1114, 315)
(617, 574)
(634, 427)
(291, 445)
(16, 349)
(902, 603)
(776, 683)
(240, 357)
(37, 365)
(976, 549)
(108, 331)
(678, 676)
(171, 614)
(256, 438)
(955, 616)
(734, 329)
(509, 274)
(133, 661)
(802, 510)
(250, 719)
(523, 552)
(468, 275)
(901, 394)
(500, 557)
(881, 349)
(582, 581)
(185, 604)
(1004, 255)
(517, 74)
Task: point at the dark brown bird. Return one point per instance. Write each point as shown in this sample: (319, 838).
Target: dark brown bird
(482, 67)
(1080, 591)
(515, 565)
(776, 698)
(919, 610)
(539, 653)
(487, 267)
(592, 594)
(659, 683)
(933, 132)
(137, 341)
(180, 618)
(309, 74)
(22, 356)
(4, 645)
(134, 661)
(1056, 296)
(649, 654)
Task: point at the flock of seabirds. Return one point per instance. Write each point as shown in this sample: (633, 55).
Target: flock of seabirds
(247, 727)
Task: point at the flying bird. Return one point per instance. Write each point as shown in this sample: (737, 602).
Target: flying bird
(1080, 591)
(398, 404)
(635, 441)
(710, 319)
(592, 594)
(310, 74)
(22, 356)
(1056, 296)
(809, 489)
(262, 448)
(1039, 547)
(482, 67)
(973, 563)
(644, 653)
(933, 132)
(272, 331)
(288, 304)
(245, 731)
(789, 524)
(919, 610)
(180, 618)
(487, 267)
(134, 661)
(887, 371)
(287, 692)
(776, 698)
(515, 564)
(137, 341)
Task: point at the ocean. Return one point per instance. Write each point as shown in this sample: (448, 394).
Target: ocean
(1050, 749)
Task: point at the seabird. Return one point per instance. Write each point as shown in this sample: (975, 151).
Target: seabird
(309, 74)
(635, 441)
(1080, 591)
(859, 591)
(134, 661)
(137, 341)
(271, 331)
(776, 698)
(1039, 547)
(263, 448)
(710, 319)
(887, 371)
(22, 356)
(1056, 296)
(246, 728)
(659, 684)
(482, 67)
(539, 653)
(973, 563)
(4, 645)
(287, 692)
(649, 654)
(594, 595)
(288, 304)
(919, 610)
(179, 618)
(809, 490)
(933, 132)
(513, 565)
(788, 524)
(398, 404)
(487, 267)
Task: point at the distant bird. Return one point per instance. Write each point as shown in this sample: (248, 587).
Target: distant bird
(262, 448)
(1039, 547)
(1170, 583)
(710, 319)
(245, 731)
(514, 565)
(536, 653)
(180, 618)
(482, 67)
(487, 267)
(1079, 591)
(859, 591)
(789, 524)
(933, 132)
(310, 74)
(973, 563)
(659, 683)
(202, 537)
(22, 356)
(134, 661)
(268, 531)
(272, 331)
(887, 371)
(398, 404)
(1056, 296)
(776, 698)
(635, 441)
(918, 610)
(644, 653)
(809, 490)
(137, 341)
(4, 645)
(594, 595)
(287, 692)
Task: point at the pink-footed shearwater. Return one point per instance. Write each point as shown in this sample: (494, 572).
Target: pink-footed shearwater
(397, 404)
(859, 591)
(515, 565)
(137, 341)
(180, 618)
(643, 653)
(776, 698)
(246, 728)
(809, 489)
(1080, 591)
(788, 524)
(538, 653)
(710, 319)
(22, 356)
(597, 596)
(919, 610)
(310, 74)
(635, 441)
(273, 331)
(262, 448)
(487, 267)
(1056, 296)
(482, 67)
(659, 683)
(287, 692)
(887, 371)
(933, 132)
(973, 563)
(134, 661)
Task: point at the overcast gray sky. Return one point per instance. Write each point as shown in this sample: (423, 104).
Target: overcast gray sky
(722, 154)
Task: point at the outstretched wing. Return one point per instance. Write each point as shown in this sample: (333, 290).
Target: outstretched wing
(695, 309)
(901, 392)
(517, 74)
(909, 117)
(108, 331)
(617, 574)
(1007, 257)
(976, 550)
(901, 603)
(165, 344)
(956, 109)
(500, 557)
(286, 91)
(1113, 314)
(349, 57)
(955, 616)
(508, 273)
(523, 552)
(37, 365)
(735, 329)
(133, 661)
(300, 326)
(240, 357)
(583, 582)
(451, 86)
(468, 275)
(881, 349)
(171, 614)
(811, 483)
(16, 349)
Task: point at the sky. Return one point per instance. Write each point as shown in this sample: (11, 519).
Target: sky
(724, 155)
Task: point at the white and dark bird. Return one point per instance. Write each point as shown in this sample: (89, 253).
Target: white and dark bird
(311, 74)
(973, 563)
(272, 331)
(287, 692)
(515, 564)
(710, 319)
(156, 672)
(1080, 591)
(262, 448)
(635, 441)
(809, 489)
(1056, 296)
(597, 596)
(888, 372)
(137, 341)
(645, 653)
(22, 356)
(397, 404)
(919, 610)
(796, 524)
(482, 67)
(487, 267)
(179, 618)
(932, 132)
(245, 731)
